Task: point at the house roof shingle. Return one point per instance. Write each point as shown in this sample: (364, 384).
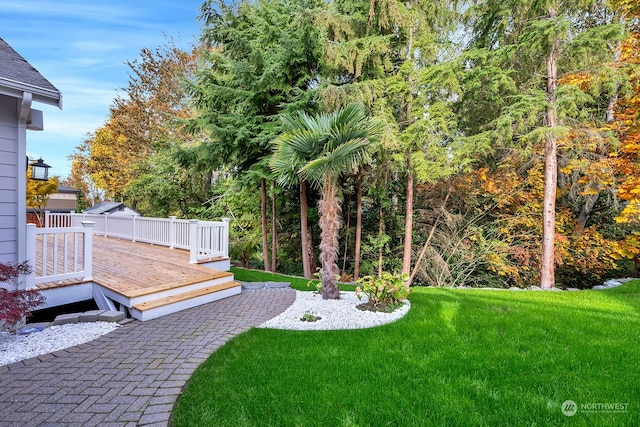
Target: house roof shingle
(65, 189)
(18, 75)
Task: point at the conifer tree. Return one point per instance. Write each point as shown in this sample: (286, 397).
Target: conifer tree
(261, 62)
(530, 46)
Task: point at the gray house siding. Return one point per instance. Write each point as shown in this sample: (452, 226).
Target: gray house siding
(20, 85)
(8, 180)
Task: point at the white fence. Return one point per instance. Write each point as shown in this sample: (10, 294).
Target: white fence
(205, 240)
(59, 254)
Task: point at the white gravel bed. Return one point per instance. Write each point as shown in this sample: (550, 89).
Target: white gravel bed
(14, 348)
(334, 314)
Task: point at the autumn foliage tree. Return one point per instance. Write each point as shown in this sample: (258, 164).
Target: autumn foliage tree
(38, 194)
(144, 122)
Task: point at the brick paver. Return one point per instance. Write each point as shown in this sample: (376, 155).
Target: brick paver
(131, 376)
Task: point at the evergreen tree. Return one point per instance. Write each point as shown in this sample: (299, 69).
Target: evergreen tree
(385, 55)
(528, 47)
(261, 62)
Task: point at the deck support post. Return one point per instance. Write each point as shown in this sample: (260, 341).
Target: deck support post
(193, 241)
(87, 250)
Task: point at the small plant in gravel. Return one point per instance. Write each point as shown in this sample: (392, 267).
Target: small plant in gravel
(385, 292)
(308, 316)
(16, 305)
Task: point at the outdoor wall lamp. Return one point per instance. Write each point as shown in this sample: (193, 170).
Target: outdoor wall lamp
(39, 170)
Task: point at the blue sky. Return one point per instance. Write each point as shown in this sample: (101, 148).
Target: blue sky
(81, 47)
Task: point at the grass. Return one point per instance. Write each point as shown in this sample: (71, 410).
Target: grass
(459, 357)
(299, 283)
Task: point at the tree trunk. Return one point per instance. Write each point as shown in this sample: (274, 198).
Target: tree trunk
(330, 212)
(408, 220)
(356, 255)
(613, 99)
(312, 251)
(380, 248)
(346, 239)
(590, 201)
(304, 231)
(547, 263)
(265, 241)
(274, 231)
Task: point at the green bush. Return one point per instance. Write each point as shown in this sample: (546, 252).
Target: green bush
(385, 292)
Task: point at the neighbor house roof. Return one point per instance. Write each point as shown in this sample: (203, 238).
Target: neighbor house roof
(65, 189)
(18, 76)
(109, 207)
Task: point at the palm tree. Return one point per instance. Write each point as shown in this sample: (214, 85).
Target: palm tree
(319, 149)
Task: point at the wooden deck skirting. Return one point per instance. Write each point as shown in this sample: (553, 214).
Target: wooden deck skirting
(137, 269)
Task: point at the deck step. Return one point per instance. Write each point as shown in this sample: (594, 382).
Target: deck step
(163, 306)
(176, 285)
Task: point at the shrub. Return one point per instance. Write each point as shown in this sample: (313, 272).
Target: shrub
(385, 293)
(16, 305)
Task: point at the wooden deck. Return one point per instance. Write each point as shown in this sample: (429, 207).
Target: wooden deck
(134, 269)
(141, 276)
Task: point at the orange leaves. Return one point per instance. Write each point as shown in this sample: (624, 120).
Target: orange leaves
(629, 247)
(581, 79)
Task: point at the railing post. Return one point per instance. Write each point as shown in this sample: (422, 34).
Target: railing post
(47, 219)
(30, 280)
(193, 241)
(172, 231)
(87, 249)
(225, 237)
(106, 226)
(72, 221)
(134, 228)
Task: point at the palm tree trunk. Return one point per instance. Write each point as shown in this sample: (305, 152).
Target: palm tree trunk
(304, 231)
(329, 246)
(356, 255)
(265, 241)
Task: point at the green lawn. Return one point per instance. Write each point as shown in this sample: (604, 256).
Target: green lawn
(459, 358)
(298, 283)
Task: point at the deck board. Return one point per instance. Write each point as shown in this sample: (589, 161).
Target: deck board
(134, 269)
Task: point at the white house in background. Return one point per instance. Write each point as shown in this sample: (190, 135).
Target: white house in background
(20, 86)
(111, 208)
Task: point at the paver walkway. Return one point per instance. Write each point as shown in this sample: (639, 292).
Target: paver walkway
(134, 375)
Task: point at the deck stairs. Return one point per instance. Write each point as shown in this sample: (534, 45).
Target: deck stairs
(160, 300)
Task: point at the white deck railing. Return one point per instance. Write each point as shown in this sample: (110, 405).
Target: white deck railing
(59, 254)
(57, 220)
(205, 240)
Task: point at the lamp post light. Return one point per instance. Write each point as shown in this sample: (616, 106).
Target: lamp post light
(40, 170)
